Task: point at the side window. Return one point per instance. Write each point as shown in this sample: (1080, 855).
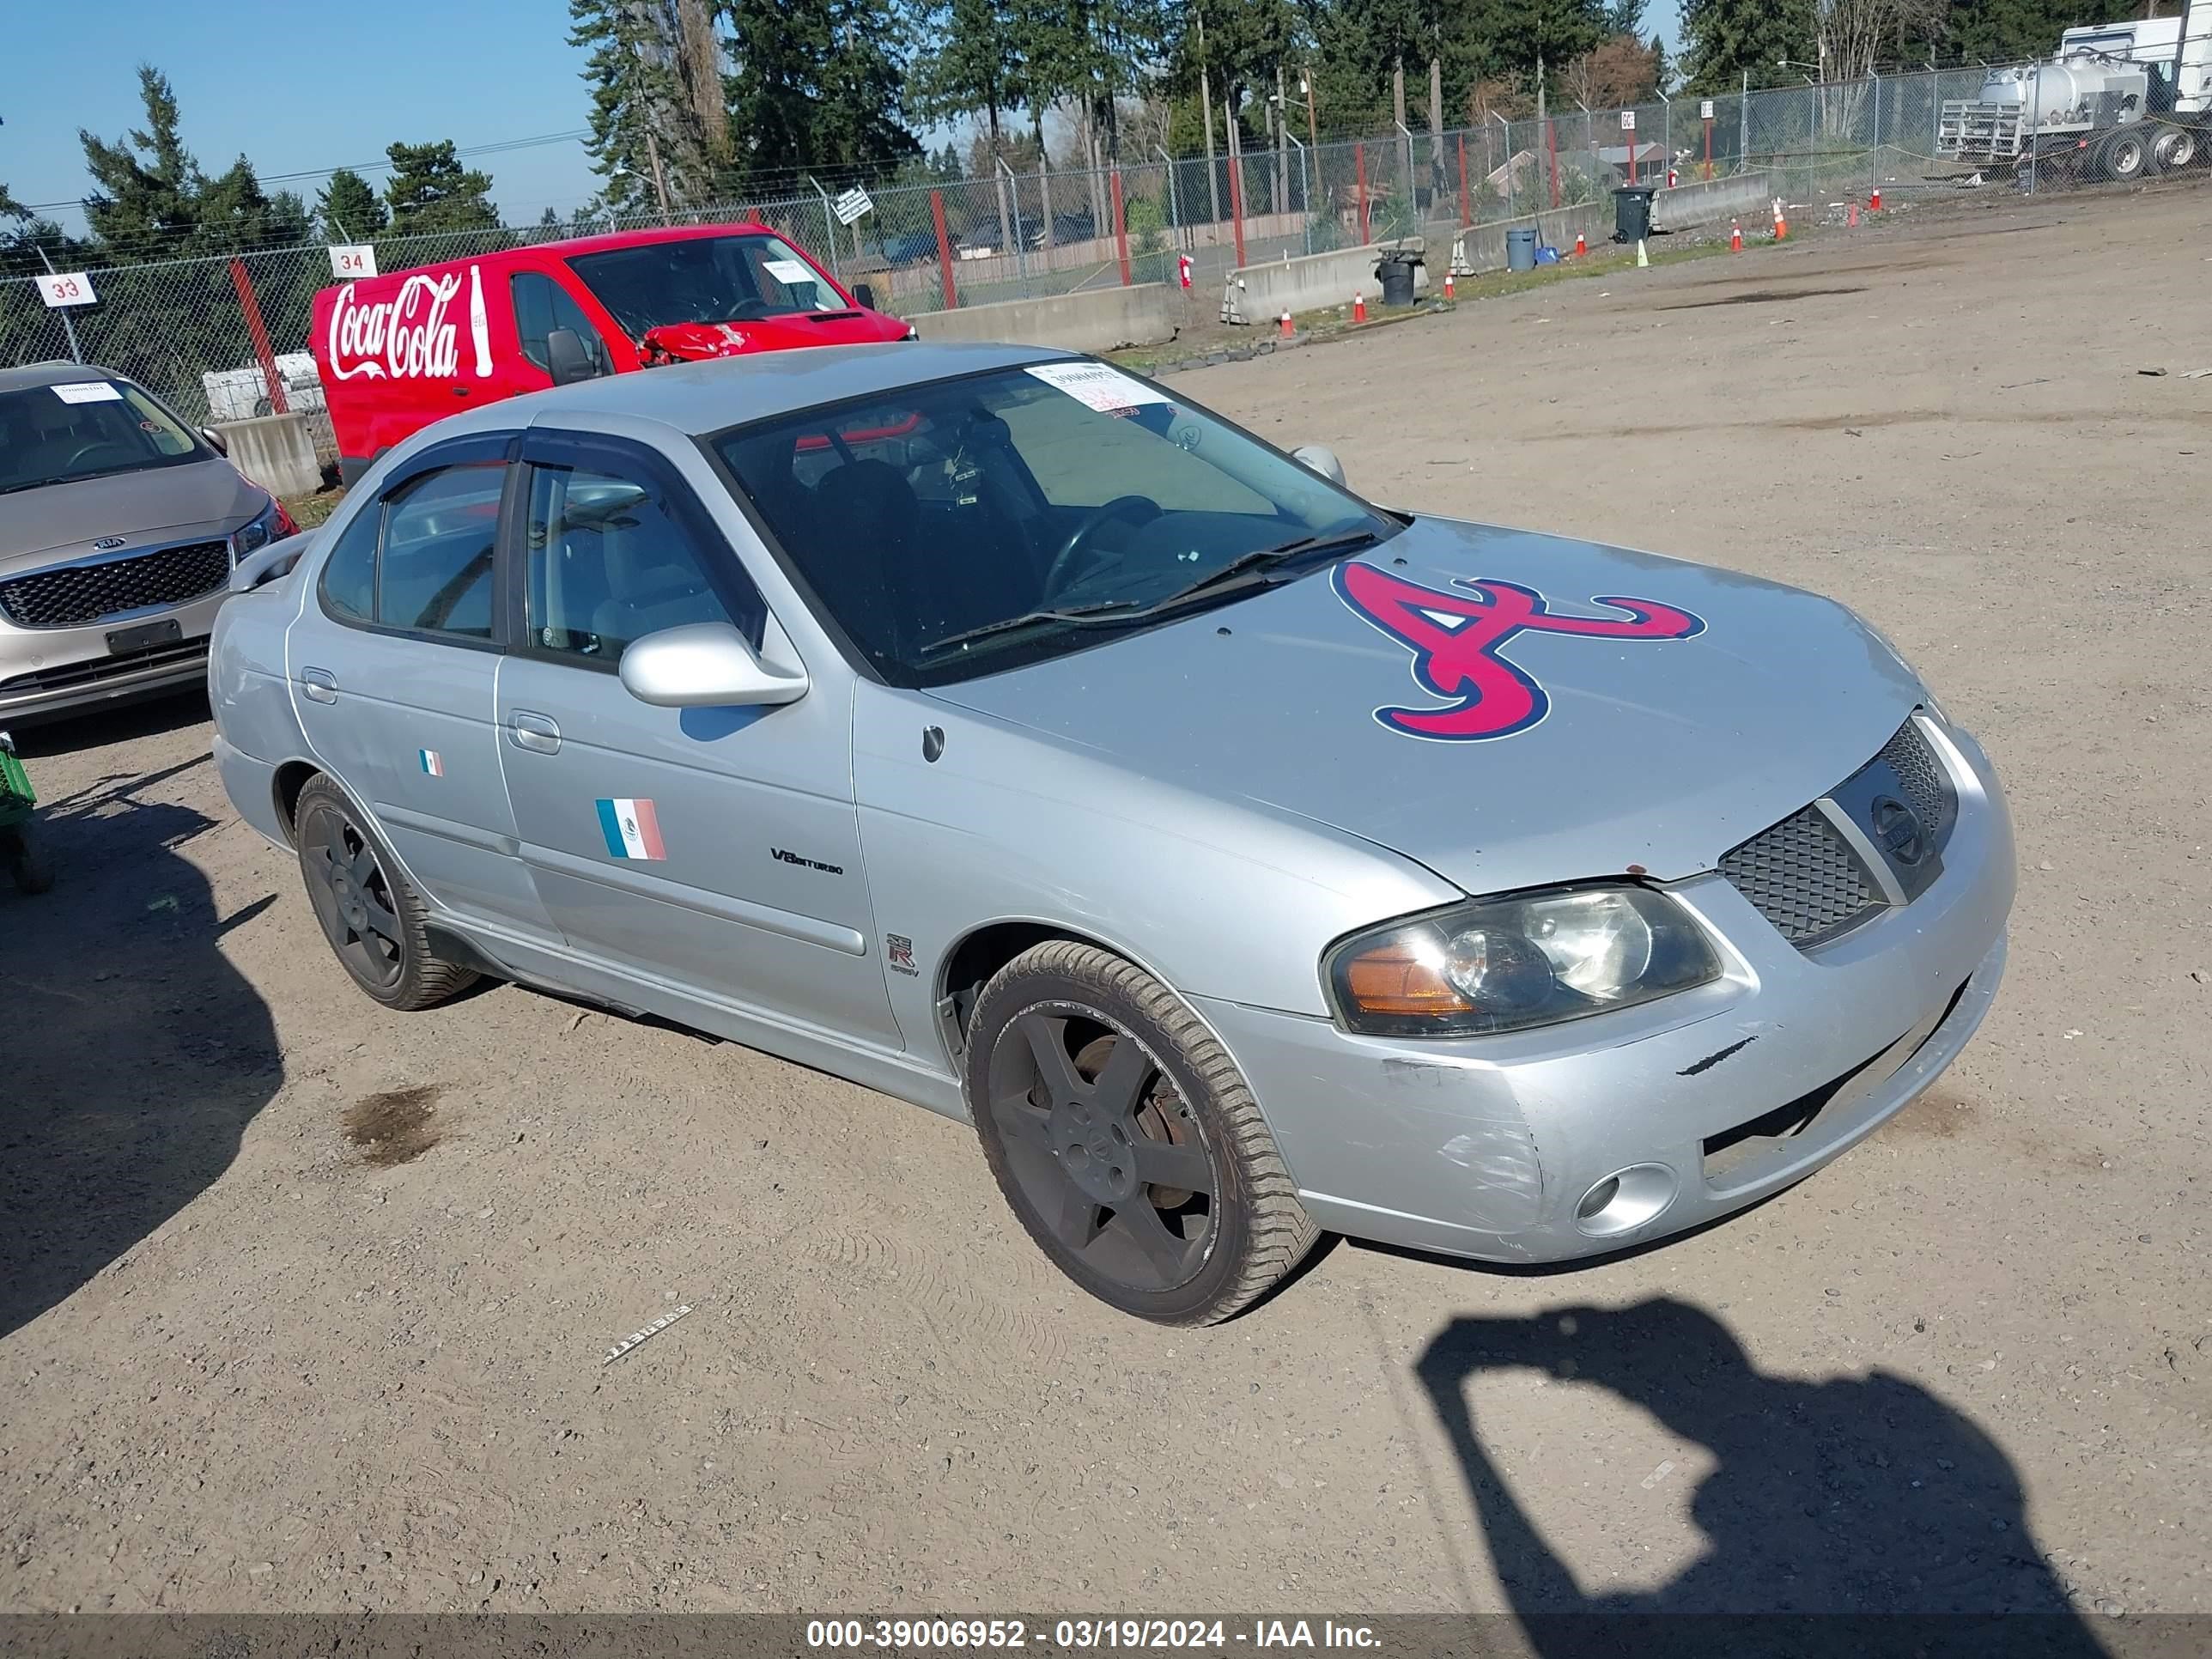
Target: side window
(542, 305)
(350, 573)
(609, 564)
(436, 575)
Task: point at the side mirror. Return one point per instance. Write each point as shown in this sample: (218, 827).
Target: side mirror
(705, 665)
(566, 360)
(271, 562)
(215, 441)
(864, 294)
(1316, 458)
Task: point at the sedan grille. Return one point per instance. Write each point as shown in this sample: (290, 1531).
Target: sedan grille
(1802, 877)
(70, 595)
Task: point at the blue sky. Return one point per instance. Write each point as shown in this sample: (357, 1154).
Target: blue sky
(298, 88)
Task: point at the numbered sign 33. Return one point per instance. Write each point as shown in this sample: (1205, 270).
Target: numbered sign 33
(353, 262)
(66, 287)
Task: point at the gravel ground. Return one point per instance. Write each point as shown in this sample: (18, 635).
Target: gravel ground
(306, 1301)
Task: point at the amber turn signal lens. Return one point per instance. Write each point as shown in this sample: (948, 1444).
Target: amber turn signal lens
(1394, 978)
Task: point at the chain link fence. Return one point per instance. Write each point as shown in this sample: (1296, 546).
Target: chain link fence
(226, 338)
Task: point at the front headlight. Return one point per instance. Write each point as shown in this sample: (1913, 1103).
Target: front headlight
(271, 524)
(1506, 964)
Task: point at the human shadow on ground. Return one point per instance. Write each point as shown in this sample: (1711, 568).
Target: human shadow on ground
(132, 1055)
(1848, 1515)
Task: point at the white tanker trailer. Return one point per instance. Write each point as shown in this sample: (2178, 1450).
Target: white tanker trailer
(2118, 101)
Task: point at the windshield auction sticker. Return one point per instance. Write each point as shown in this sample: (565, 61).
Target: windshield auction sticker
(87, 391)
(1096, 386)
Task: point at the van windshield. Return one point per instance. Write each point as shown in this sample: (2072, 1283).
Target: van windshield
(52, 435)
(707, 279)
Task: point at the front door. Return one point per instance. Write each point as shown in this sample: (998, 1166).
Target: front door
(717, 849)
(394, 662)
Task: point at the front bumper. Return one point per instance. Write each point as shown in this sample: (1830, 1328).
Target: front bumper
(47, 671)
(1700, 1103)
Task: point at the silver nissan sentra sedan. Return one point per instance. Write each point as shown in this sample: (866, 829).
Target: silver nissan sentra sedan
(996, 729)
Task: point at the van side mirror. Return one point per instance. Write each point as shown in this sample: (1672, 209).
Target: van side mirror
(1316, 459)
(215, 441)
(566, 360)
(864, 294)
(705, 665)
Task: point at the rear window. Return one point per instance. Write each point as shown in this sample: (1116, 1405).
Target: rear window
(707, 279)
(86, 429)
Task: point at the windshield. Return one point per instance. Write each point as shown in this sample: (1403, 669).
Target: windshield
(964, 527)
(53, 434)
(707, 279)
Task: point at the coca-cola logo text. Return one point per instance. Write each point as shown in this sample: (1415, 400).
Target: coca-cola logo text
(409, 336)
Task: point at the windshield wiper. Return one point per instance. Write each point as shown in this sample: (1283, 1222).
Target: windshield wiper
(1242, 569)
(1077, 615)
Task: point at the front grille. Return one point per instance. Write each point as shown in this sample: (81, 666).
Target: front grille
(1928, 789)
(70, 595)
(1802, 877)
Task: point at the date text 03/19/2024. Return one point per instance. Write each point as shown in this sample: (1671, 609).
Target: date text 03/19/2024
(1084, 1634)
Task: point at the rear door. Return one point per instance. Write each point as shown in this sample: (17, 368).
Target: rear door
(393, 662)
(717, 849)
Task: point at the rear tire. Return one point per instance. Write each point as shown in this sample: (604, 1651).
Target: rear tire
(2175, 148)
(30, 866)
(2124, 157)
(1126, 1141)
(375, 922)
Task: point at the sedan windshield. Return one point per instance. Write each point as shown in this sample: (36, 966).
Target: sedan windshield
(52, 435)
(705, 279)
(964, 526)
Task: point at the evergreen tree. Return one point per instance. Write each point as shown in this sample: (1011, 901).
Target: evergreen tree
(976, 67)
(1723, 38)
(144, 183)
(350, 208)
(10, 207)
(817, 86)
(430, 191)
(1999, 30)
(655, 67)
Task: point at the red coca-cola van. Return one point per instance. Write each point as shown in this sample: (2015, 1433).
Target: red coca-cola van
(396, 352)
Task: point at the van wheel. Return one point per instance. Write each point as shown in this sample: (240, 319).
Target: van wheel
(1125, 1139)
(372, 917)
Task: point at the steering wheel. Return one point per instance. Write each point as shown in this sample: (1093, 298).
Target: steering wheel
(84, 450)
(1138, 509)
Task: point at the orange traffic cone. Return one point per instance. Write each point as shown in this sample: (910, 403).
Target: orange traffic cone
(1448, 282)
(1874, 204)
(1358, 306)
(1735, 236)
(1582, 247)
(1287, 325)
(1781, 225)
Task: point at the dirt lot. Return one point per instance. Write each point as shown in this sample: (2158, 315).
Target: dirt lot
(246, 1363)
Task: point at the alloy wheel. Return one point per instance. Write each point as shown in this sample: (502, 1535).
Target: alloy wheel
(353, 898)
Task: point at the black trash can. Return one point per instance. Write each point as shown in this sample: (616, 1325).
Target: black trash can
(1631, 212)
(1396, 276)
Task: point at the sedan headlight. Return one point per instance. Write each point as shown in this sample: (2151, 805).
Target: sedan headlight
(271, 524)
(1506, 964)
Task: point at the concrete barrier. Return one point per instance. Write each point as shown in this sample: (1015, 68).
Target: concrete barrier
(1094, 319)
(1263, 292)
(1686, 207)
(277, 452)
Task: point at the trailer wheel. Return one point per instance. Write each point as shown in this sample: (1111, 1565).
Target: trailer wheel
(2173, 149)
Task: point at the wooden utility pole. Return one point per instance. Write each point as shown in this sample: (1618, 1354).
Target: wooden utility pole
(1205, 109)
(1436, 127)
(659, 184)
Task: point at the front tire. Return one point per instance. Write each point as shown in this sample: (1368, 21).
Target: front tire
(2125, 157)
(1126, 1141)
(374, 920)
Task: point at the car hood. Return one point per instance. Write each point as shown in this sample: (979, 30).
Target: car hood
(695, 343)
(152, 504)
(1712, 705)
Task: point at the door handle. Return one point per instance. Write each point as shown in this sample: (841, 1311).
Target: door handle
(534, 732)
(320, 684)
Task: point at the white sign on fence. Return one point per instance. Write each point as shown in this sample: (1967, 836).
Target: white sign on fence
(351, 263)
(66, 287)
(1628, 120)
(853, 205)
(1705, 109)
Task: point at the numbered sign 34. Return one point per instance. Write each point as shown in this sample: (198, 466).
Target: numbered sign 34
(1628, 120)
(352, 262)
(66, 287)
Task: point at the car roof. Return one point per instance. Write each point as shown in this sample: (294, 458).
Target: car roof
(54, 374)
(697, 399)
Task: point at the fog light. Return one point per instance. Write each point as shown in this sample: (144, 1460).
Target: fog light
(1625, 1200)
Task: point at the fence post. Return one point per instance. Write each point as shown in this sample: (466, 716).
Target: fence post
(943, 249)
(1743, 125)
(1465, 201)
(1237, 204)
(1875, 169)
(1120, 228)
(259, 333)
(1359, 177)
